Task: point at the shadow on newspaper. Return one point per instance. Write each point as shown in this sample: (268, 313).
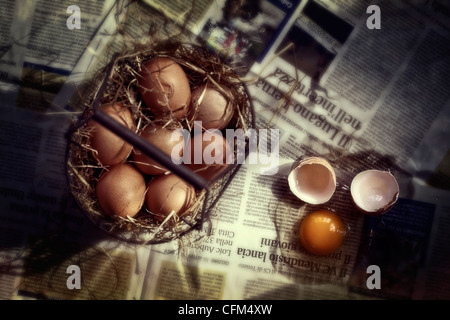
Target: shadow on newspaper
(41, 261)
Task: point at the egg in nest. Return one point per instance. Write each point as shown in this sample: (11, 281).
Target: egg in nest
(166, 140)
(208, 154)
(121, 190)
(169, 193)
(212, 106)
(107, 147)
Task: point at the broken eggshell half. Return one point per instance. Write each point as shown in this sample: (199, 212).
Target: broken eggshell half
(312, 180)
(374, 192)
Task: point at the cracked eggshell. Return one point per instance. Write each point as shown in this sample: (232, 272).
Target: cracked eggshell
(312, 180)
(374, 192)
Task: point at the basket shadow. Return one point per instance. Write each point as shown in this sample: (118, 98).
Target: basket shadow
(46, 253)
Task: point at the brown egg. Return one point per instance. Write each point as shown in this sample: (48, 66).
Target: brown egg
(208, 154)
(167, 193)
(121, 191)
(110, 148)
(162, 139)
(165, 88)
(212, 107)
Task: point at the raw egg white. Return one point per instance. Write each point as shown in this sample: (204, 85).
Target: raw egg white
(165, 88)
(212, 107)
(167, 193)
(121, 191)
(161, 138)
(322, 232)
(110, 149)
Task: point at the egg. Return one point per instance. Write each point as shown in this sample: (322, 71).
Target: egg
(167, 193)
(165, 88)
(121, 191)
(374, 191)
(208, 154)
(108, 148)
(212, 108)
(322, 232)
(166, 140)
(312, 180)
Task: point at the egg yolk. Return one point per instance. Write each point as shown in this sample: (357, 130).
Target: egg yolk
(322, 232)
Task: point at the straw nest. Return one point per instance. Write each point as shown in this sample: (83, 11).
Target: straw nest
(117, 82)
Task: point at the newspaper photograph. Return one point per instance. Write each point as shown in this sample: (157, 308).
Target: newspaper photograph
(360, 85)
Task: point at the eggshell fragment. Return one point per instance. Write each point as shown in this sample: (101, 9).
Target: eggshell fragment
(208, 154)
(312, 180)
(165, 88)
(211, 107)
(161, 138)
(108, 148)
(167, 193)
(121, 191)
(374, 191)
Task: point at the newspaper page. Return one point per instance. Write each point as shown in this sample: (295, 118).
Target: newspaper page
(58, 34)
(15, 26)
(43, 231)
(48, 245)
(255, 226)
(191, 14)
(48, 248)
(330, 87)
(260, 205)
(242, 31)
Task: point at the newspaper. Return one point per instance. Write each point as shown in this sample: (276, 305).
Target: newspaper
(43, 233)
(361, 97)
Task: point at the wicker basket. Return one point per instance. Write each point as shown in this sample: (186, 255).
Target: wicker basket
(117, 82)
